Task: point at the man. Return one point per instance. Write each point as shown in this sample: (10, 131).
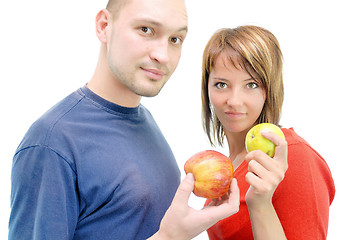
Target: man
(96, 165)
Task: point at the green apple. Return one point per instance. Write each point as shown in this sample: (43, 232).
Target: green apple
(255, 140)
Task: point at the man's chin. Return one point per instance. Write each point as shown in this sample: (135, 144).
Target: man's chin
(149, 92)
(149, 95)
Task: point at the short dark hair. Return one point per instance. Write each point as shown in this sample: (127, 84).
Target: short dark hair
(114, 6)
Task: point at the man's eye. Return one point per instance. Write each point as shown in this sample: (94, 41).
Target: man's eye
(221, 85)
(176, 40)
(146, 30)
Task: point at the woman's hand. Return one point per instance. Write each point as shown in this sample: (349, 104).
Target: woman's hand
(184, 222)
(265, 173)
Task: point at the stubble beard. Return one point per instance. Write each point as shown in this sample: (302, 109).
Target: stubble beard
(151, 91)
(151, 88)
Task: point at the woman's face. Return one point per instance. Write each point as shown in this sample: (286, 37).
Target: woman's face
(236, 98)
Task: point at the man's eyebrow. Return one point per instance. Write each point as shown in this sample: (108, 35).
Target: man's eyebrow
(148, 20)
(185, 29)
(158, 24)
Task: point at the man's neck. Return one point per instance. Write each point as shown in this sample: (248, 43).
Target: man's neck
(104, 84)
(113, 95)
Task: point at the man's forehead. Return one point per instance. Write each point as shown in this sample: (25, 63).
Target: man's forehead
(171, 15)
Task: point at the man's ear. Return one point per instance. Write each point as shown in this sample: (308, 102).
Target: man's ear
(102, 23)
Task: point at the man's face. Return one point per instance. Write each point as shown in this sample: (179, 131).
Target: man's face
(145, 43)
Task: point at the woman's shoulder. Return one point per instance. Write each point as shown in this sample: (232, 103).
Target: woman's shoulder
(298, 146)
(292, 137)
(306, 163)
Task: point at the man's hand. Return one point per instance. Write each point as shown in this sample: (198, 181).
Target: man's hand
(183, 222)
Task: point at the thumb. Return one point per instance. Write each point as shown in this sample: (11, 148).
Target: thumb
(185, 189)
(281, 149)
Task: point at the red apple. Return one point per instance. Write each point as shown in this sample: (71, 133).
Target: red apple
(213, 173)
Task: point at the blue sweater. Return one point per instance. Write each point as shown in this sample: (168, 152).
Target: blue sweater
(90, 169)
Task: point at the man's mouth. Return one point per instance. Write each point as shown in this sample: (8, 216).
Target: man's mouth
(153, 73)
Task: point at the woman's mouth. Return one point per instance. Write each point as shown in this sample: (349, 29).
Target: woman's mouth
(234, 114)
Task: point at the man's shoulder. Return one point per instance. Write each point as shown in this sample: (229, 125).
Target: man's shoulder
(49, 122)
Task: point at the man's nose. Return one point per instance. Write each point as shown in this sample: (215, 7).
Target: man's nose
(160, 51)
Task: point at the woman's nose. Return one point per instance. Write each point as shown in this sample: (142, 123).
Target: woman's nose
(234, 100)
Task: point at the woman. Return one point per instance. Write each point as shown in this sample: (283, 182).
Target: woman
(241, 87)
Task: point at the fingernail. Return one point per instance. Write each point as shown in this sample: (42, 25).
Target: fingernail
(190, 177)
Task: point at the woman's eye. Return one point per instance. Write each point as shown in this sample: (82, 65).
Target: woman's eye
(252, 85)
(221, 85)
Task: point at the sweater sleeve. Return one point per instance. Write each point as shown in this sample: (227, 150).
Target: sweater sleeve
(44, 201)
(302, 200)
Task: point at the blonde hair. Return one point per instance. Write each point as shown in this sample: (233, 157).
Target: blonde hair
(256, 50)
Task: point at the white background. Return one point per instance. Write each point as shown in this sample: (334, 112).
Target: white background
(49, 49)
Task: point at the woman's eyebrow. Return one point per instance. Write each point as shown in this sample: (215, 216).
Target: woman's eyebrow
(219, 78)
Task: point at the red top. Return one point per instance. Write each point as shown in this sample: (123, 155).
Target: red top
(301, 200)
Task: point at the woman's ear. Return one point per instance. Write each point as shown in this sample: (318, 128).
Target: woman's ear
(102, 24)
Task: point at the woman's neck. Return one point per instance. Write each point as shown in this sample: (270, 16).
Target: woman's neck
(236, 145)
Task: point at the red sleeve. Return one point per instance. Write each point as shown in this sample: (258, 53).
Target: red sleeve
(303, 198)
